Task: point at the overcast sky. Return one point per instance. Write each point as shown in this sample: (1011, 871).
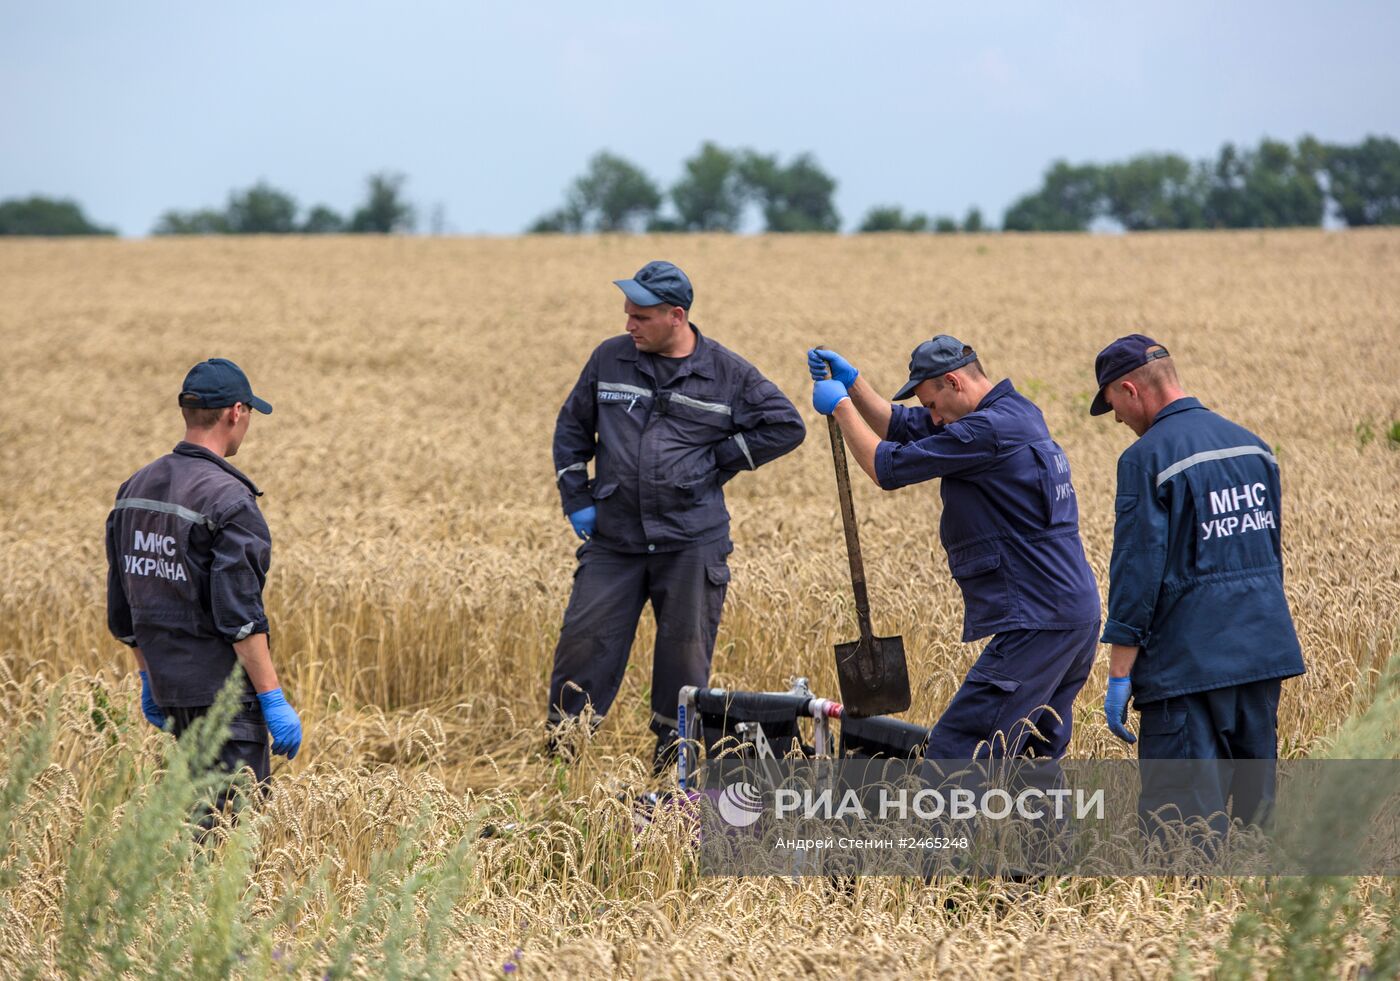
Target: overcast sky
(491, 109)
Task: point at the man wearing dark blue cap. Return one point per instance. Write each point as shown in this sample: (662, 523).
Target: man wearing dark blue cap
(668, 417)
(1010, 526)
(1198, 621)
(187, 555)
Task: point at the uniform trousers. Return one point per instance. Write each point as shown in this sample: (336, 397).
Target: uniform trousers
(686, 590)
(246, 746)
(1214, 729)
(1018, 698)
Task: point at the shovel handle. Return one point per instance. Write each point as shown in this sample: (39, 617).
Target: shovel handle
(848, 521)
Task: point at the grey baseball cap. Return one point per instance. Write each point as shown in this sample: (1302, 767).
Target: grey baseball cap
(932, 358)
(658, 282)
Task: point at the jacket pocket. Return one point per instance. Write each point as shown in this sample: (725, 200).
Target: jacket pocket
(982, 580)
(696, 490)
(694, 504)
(605, 524)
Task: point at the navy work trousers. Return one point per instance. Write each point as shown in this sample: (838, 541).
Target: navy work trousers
(686, 590)
(246, 746)
(1239, 722)
(1018, 699)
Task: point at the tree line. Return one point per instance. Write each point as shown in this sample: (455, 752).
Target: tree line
(716, 186)
(1275, 184)
(258, 210)
(264, 210)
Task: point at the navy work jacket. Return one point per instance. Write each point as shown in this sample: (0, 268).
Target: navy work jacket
(1010, 519)
(187, 555)
(662, 455)
(1196, 579)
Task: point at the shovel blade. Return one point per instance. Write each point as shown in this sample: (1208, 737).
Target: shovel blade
(874, 678)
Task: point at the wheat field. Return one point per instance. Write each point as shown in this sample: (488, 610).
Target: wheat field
(421, 565)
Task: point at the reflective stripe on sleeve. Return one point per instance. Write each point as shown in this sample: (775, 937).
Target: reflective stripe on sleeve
(1207, 456)
(573, 466)
(743, 445)
(164, 507)
(244, 631)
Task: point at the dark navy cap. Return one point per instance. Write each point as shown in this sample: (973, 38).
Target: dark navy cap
(217, 384)
(932, 358)
(1119, 358)
(658, 282)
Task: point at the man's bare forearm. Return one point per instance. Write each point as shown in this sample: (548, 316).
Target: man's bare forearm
(1120, 660)
(860, 439)
(256, 658)
(873, 408)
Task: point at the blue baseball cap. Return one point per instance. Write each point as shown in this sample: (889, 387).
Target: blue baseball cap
(1122, 356)
(217, 384)
(933, 358)
(658, 282)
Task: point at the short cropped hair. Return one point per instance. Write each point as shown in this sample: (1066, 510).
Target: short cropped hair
(1158, 373)
(199, 418)
(973, 367)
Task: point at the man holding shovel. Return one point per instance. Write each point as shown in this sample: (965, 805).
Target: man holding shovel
(1010, 526)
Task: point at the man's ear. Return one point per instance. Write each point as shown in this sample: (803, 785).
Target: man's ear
(1129, 389)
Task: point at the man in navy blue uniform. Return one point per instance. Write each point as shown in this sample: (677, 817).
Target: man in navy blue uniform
(188, 553)
(668, 417)
(1199, 625)
(1010, 526)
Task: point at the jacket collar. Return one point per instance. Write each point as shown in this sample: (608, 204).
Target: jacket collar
(1001, 389)
(1180, 405)
(700, 362)
(191, 449)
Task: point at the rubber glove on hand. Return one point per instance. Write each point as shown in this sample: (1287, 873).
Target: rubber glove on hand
(149, 708)
(282, 721)
(1115, 707)
(585, 522)
(820, 361)
(827, 394)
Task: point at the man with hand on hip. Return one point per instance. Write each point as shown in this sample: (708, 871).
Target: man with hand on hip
(668, 417)
(188, 553)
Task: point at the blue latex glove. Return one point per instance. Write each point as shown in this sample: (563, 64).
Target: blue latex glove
(585, 522)
(820, 362)
(149, 708)
(282, 721)
(827, 394)
(1115, 707)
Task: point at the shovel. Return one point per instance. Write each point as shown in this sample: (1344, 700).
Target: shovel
(874, 678)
